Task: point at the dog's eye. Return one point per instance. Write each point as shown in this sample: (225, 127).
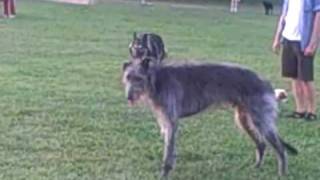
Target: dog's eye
(129, 77)
(134, 78)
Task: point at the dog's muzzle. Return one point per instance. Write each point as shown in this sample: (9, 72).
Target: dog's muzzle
(132, 96)
(130, 99)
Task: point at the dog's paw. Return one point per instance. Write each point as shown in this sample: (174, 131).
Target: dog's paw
(166, 168)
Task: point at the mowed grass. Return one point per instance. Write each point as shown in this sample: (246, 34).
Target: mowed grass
(63, 111)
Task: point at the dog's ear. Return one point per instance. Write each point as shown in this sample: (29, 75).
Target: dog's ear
(125, 65)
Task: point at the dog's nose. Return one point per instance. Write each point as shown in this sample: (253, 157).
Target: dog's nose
(130, 96)
(130, 100)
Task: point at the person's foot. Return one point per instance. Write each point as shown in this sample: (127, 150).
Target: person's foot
(310, 117)
(297, 115)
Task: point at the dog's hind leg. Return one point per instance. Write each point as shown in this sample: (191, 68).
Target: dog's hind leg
(243, 120)
(270, 134)
(273, 138)
(264, 113)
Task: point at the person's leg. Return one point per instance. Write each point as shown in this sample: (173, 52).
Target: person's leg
(6, 7)
(231, 5)
(13, 7)
(299, 95)
(236, 5)
(305, 74)
(9, 8)
(290, 70)
(309, 92)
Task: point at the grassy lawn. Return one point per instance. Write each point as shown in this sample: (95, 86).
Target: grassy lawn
(63, 112)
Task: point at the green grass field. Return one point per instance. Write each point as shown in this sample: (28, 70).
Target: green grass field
(63, 111)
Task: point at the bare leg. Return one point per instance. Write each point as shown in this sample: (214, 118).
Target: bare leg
(236, 5)
(298, 93)
(6, 8)
(13, 7)
(232, 6)
(309, 92)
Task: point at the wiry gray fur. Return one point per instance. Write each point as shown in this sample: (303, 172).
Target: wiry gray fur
(192, 88)
(180, 91)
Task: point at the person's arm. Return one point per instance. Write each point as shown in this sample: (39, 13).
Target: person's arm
(279, 29)
(315, 37)
(277, 35)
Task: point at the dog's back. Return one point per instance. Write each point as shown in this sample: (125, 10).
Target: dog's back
(198, 86)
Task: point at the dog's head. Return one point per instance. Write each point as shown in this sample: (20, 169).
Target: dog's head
(135, 78)
(281, 95)
(147, 45)
(138, 48)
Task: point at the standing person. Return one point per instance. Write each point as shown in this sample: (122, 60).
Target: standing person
(234, 6)
(299, 28)
(145, 3)
(9, 8)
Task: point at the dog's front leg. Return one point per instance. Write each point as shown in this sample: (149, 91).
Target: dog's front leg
(162, 121)
(169, 154)
(168, 128)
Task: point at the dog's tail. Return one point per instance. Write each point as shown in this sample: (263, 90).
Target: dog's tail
(290, 149)
(264, 111)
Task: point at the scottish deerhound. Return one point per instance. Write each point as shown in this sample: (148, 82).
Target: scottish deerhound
(175, 92)
(147, 45)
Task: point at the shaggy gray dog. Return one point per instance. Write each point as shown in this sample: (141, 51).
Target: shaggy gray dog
(175, 92)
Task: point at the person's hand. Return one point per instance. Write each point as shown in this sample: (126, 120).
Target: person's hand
(310, 50)
(276, 46)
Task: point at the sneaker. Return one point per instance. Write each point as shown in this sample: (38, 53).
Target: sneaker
(310, 117)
